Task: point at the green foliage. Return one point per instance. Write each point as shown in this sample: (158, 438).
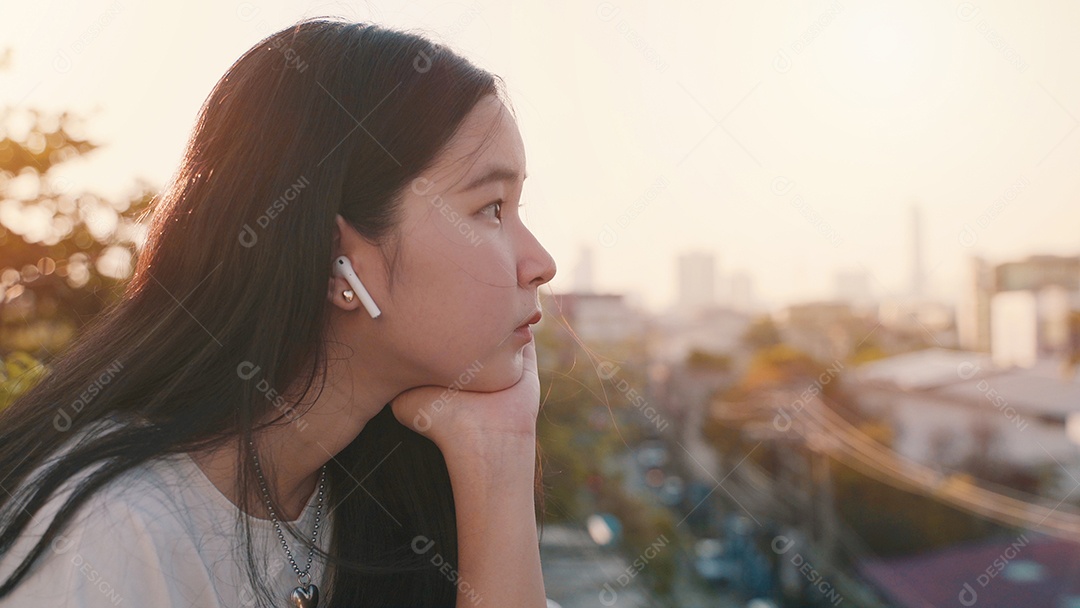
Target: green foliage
(651, 542)
(586, 420)
(866, 353)
(64, 254)
(19, 373)
(780, 365)
(707, 361)
(893, 522)
(582, 423)
(762, 333)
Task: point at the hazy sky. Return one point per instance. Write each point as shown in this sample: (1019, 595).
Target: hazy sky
(790, 139)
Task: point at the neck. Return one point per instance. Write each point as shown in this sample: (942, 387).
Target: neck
(292, 452)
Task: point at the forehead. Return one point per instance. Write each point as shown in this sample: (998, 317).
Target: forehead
(488, 136)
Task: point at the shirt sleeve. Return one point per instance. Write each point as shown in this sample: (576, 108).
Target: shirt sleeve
(117, 553)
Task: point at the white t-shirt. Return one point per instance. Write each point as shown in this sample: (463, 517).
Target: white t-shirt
(159, 535)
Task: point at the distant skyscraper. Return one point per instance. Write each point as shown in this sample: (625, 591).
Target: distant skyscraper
(853, 287)
(1019, 310)
(697, 280)
(742, 292)
(973, 305)
(1014, 321)
(583, 272)
(918, 278)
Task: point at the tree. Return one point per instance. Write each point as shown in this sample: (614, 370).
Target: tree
(708, 361)
(762, 333)
(64, 253)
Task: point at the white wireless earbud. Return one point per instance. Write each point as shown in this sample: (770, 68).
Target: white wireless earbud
(343, 268)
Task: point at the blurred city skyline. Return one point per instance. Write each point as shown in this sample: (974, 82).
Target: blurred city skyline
(791, 144)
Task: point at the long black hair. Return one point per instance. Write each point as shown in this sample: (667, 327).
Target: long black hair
(324, 117)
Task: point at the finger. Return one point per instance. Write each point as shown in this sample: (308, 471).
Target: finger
(528, 356)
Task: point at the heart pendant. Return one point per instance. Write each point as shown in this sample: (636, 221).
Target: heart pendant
(306, 597)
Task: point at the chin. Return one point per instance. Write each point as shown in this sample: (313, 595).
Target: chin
(491, 376)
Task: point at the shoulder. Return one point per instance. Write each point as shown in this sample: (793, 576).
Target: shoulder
(129, 543)
(142, 506)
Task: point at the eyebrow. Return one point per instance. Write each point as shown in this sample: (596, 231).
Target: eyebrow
(495, 174)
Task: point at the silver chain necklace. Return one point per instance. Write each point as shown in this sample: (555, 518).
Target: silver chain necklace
(306, 595)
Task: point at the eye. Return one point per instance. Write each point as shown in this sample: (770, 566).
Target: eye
(497, 206)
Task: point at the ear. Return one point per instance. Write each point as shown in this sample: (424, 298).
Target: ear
(336, 294)
(340, 226)
(344, 235)
(347, 241)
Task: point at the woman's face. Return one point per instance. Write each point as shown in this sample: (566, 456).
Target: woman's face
(469, 270)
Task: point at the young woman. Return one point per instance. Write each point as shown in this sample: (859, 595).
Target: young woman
(319, 387)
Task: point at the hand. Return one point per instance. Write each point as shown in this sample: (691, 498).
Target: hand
(454, 418)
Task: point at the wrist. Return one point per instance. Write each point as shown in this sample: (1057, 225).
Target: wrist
(496, 459)
(485, 444)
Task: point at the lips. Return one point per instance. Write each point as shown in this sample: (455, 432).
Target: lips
(534, 319)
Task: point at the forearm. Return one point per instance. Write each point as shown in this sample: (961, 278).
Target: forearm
(498, 550)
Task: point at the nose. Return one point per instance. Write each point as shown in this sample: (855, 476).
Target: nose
(536, 265)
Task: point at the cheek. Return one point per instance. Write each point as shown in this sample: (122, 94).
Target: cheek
(459, 299)
(457, 245)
